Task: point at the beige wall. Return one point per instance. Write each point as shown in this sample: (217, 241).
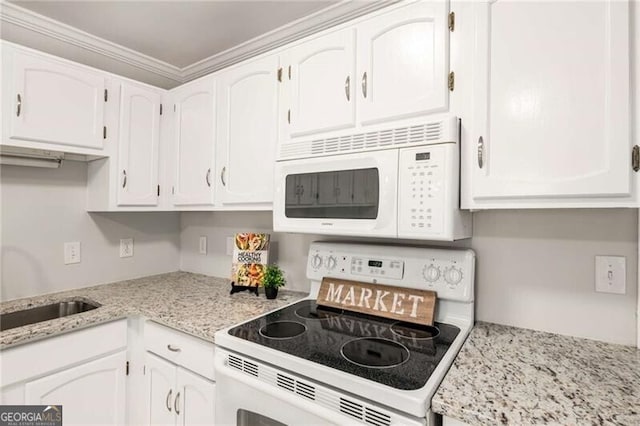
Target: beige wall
(41, 209)
(534, 269)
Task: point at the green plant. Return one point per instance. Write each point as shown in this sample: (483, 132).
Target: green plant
(273, 277)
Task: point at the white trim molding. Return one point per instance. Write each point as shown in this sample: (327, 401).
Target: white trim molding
(331, 16)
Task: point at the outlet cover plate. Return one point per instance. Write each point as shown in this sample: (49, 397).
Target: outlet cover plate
(71, 252)
(126, 247)
(203, 245)
(611, 274)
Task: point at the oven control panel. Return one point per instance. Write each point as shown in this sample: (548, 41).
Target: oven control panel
(450, 273)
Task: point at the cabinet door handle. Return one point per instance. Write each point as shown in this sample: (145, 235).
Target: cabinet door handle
(222, 173)
(124, 178)
(173, 348)
(18, 105)
(364, 84)
(480, 152)
(208, 178)
(347, 88)
(175, 404)
(168, 400)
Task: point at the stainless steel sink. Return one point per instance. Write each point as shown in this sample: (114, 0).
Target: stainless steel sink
(44, 313)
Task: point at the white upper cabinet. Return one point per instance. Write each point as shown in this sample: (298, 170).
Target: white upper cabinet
(551, 102)
(403, 61)
(193, 143)
(55, 102)
(247, 132)
(138, 146)
(320, 76)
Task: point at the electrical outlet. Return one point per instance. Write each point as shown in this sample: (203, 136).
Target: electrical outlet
(203, 245)
(611, 274)
(230, 246)
(71, 253)
(126, 247)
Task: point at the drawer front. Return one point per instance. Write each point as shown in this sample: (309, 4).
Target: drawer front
(35, 359)
(190, 352)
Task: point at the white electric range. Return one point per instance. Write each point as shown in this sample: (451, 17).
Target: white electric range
(305, 364)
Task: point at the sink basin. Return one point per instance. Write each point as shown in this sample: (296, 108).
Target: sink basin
(44, 313)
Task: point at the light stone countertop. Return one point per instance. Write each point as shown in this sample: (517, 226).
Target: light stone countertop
(515, 376)
(192, 303)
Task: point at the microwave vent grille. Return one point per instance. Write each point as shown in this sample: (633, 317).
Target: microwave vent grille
(431, 132)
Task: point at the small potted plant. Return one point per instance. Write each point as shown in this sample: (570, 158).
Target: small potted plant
(273, 279)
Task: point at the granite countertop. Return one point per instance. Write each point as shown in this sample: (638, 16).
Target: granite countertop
(192, 303)
(515, 376)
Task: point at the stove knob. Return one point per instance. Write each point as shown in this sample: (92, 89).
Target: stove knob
(453, 275)
(330, 262)
(431, 273)
(316, 261)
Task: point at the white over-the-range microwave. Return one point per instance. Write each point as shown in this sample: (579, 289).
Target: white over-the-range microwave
(400, 182)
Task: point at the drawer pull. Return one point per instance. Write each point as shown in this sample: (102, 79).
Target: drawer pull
(173, 348)
(168, 400)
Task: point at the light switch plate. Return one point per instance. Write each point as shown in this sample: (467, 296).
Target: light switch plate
(611, 274)
(126, 247)
(71, 253)
(203, 245)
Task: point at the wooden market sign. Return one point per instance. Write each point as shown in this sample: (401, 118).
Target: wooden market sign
(404, 304)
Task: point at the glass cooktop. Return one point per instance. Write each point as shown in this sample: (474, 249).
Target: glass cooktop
(397, 354)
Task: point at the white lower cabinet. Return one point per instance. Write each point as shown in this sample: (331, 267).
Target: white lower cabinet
(85, 371)
(91, 393)
(176, 395)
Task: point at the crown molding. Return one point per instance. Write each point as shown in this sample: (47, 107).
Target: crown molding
(331, 16)
(24, 18)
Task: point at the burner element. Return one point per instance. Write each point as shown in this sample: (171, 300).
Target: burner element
(313, 311)
(414, 331)
(375, 352)
(282, 330)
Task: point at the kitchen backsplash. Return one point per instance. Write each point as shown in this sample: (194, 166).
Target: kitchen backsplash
(534, 267)
(44, 208)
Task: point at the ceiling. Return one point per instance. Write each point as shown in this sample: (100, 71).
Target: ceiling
(179, 33)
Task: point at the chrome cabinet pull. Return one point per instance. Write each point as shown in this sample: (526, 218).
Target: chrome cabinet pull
(19, 105)
(364, 84)
(480, 152)
(124, 178)
(347, 87)
(224, 170)
(175, 404)
(173, 348)
(168, 400)
(208, 178)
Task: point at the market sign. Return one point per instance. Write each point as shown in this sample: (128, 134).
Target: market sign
(403, 304)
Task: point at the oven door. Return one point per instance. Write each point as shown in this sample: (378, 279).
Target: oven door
(349, 194)
(251, 393)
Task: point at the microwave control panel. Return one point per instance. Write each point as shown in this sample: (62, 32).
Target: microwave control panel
(423, 189)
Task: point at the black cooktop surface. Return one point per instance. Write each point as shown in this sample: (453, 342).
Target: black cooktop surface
(397, 354)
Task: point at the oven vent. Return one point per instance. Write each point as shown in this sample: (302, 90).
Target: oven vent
(243, 365)
(437, 131)
(296, 386)
(363, 413)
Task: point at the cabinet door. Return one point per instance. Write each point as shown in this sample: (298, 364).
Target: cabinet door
(247, 132)
(56, 103)
(89, 393)
(403, 63)
(551, 100)
(161, 390)
(138, 146)
(194, 139)
(195, 405)
(322, 84)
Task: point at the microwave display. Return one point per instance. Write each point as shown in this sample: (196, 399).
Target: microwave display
(342, 194)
